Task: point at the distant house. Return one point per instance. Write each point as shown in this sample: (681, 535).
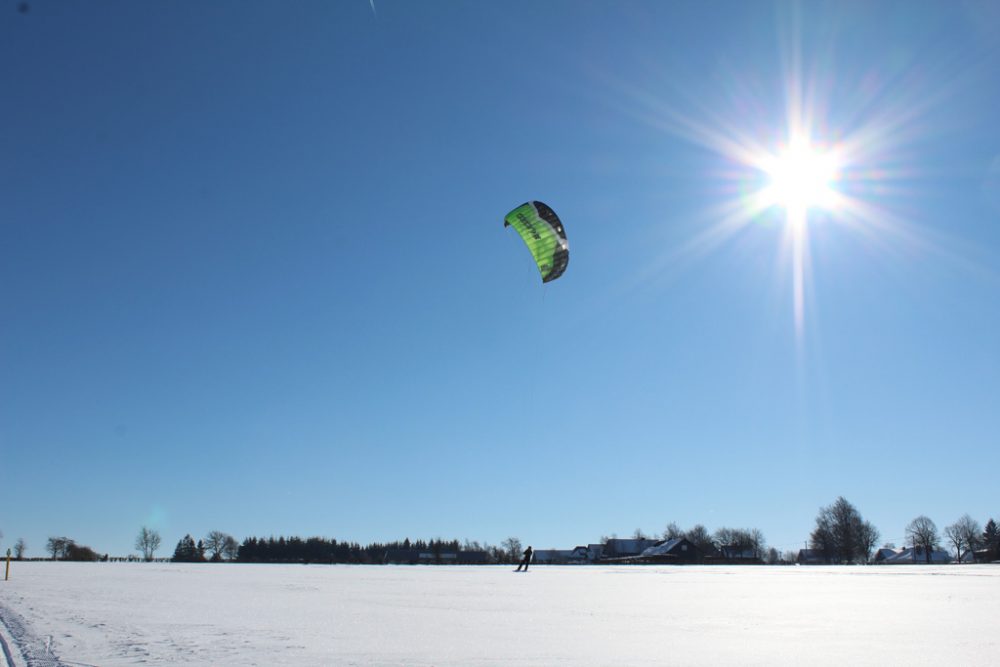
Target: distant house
(984, 556)
(401, 557)
(471, 557)
(444, 557)
(885, 552)
(811, 557)
(552, 556)
(595, 552)
(679, 550)
(562, 556)
(910, 556)
(735, 554)
(415, 556)
(624, 548)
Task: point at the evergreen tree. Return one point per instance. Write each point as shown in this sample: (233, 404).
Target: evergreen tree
(248, 550)
(187, 551)
(991, 540)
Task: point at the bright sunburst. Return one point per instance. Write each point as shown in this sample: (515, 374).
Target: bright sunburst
(802, 166)
(800, 178)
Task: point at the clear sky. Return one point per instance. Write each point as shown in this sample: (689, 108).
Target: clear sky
(254, 278)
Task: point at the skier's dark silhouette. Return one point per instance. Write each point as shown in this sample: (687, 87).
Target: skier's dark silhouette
(525, 560)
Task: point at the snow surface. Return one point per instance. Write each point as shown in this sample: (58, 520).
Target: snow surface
(232, 614)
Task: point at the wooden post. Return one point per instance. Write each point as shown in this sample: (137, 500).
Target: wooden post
(6, 575)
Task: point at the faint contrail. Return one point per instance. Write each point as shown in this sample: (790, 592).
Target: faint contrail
(372, 3)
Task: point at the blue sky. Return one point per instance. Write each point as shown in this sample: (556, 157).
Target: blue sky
(253, 274)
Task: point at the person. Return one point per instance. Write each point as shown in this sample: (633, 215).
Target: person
(525, 560)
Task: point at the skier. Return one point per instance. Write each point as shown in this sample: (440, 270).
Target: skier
(525, 560)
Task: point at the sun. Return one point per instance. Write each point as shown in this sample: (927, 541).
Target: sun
(800, 177)
(824, 163)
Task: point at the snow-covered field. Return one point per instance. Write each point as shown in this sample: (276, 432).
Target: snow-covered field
(228, 614)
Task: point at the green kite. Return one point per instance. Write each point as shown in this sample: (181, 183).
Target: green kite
(543, 233)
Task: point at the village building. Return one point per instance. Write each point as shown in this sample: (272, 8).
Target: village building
(910, 556)
(422, 557)
(574, 556)
(625, 548)
(811, 557)
(677, 550)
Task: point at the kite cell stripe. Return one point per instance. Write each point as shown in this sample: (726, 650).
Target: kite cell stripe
(543, 233)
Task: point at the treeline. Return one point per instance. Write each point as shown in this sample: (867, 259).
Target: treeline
(322, 550)
(63, 548)
(842, 536)
(218, 547)
(725, 542)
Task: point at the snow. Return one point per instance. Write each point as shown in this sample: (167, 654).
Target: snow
(232, 614)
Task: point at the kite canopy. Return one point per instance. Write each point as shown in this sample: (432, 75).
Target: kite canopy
(543, 233)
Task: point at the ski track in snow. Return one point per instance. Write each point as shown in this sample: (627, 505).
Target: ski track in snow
(22, 648)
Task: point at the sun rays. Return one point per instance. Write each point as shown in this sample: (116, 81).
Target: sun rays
(820, 145)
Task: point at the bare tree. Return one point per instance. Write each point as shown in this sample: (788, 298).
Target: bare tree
(738, 542)
(823, 539)
(215, 542)
(963, 535)
(498, 554)
(868, 537)
(699, 536)
(638, 534)
(231, 549)
(724, 539)
(147, 541)
(841, 535)
(672, 531)
(755, 540)
(922, 534)
(957, 540)
(58, 546)
(19, 548)
(512, 546)
(973, 536)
